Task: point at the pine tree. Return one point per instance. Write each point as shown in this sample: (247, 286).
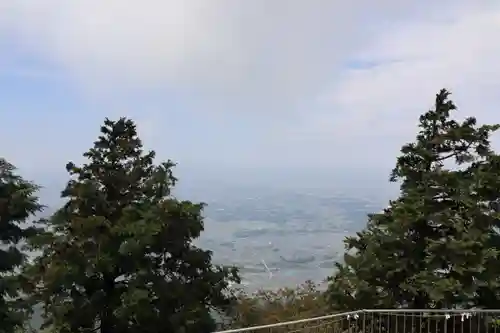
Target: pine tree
(119, 256)
(18, 203)
(436, 246)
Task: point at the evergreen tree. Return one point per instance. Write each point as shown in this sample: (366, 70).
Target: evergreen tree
(18, 203)
(119, 256)
(436, 246)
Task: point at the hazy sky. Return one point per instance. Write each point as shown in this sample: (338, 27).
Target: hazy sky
(240, 84)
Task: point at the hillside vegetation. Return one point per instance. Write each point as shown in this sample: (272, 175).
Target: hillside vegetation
(118, 255)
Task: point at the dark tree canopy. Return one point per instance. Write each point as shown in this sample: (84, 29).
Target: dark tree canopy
(18, 203)
(437, 245)
(118, 256)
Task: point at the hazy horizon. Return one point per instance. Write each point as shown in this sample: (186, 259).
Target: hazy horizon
(200, 184)
(252, 216)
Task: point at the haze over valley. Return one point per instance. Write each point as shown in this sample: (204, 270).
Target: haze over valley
(297, 235)
(294, 223)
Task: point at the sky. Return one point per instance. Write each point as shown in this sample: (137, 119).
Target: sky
(240, 86)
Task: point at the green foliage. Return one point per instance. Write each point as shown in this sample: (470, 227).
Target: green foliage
(118, 256)
(18, 203)
(286, 304)
(437, 245)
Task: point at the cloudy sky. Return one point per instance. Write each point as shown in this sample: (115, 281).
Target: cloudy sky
(316, 84)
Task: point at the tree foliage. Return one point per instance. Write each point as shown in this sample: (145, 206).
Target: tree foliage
(18, 203)
(437, 245)
(118, 256)
(266, 307)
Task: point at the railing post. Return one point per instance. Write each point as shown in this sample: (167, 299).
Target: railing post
(364, 321)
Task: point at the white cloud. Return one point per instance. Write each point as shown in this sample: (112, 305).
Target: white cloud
(284, 55)
(415, 59)
(118, 39)
(232, 49)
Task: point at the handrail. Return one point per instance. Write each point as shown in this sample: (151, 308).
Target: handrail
(286, 323)
(340, 314)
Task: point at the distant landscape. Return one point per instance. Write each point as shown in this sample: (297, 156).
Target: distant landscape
(297, 234)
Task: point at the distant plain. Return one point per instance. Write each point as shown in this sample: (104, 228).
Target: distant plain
(282, 238)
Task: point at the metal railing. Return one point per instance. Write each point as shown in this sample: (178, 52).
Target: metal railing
(389, 321)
